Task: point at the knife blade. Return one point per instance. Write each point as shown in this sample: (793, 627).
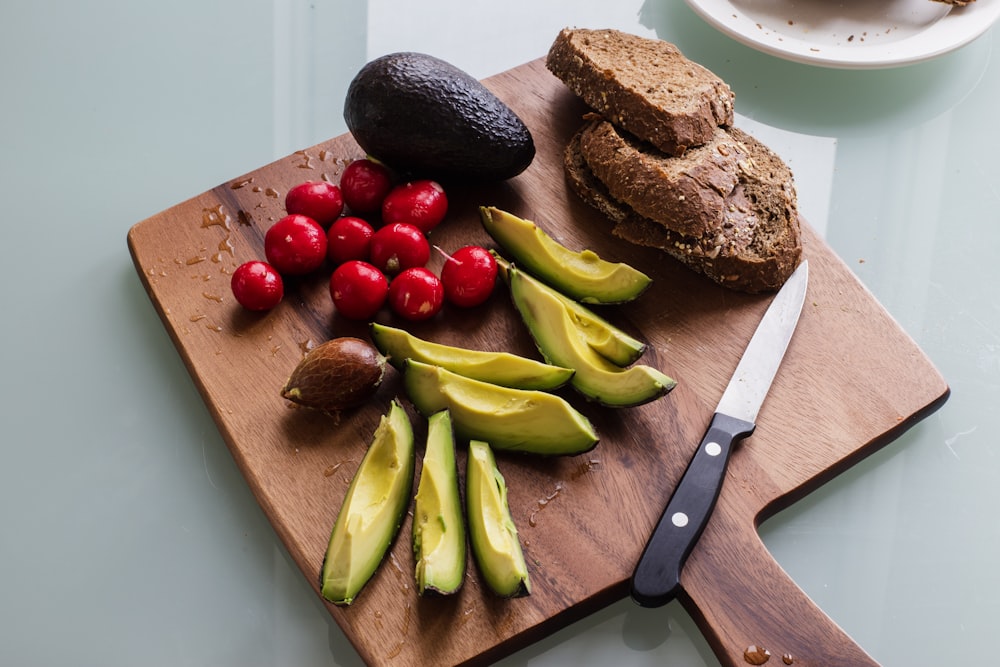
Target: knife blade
(657, 577)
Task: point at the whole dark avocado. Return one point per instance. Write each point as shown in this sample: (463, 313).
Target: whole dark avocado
(425, 117)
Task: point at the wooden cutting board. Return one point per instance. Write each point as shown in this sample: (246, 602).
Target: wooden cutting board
(852, 381)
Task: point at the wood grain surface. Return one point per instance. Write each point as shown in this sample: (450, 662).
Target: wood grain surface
(852, 380)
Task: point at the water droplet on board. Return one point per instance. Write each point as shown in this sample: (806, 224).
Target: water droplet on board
(756, 655)
(307, 345)
(787, 659)
(331, 469)
(585, 467)
(306, 160)
(242, 183)
(463, 618)
(406, 618)
(542, 503)
(197, 318)
(243, 218)
(215, 216)
(396, 650)
(212, 297)
(225, 246)
(395, 563)
(191, 261)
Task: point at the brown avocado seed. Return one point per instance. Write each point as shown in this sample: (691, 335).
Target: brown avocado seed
(340, 374)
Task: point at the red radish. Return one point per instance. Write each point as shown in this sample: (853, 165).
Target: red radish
(364, 184)
(319, 200)
(295, 245)
(420, 203)
(349, 238)
(358, 289)
(399, 246)
(257, 285)
(416, 294)
(469, 275)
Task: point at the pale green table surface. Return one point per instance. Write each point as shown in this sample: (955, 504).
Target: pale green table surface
(128, 536)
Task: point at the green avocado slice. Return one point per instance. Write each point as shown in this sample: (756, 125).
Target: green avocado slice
(523, 420)
(605, 338)
(582, 275)
(372, 511)
(503, 368)
(559, 341)
(438, 524)
(493, 535)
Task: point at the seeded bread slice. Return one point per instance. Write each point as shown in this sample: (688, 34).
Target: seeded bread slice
(755, 248)
(686, 194)
(646, 86)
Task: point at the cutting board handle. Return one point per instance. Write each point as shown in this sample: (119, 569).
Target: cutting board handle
(750, 609)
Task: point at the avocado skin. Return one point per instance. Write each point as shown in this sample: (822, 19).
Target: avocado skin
(423, 116)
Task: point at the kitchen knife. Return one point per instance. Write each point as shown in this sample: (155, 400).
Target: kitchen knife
(657, 577)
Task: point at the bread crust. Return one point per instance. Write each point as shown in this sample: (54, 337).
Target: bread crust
(662, 160)
(645, 86)
(754, 250)
(687, 193)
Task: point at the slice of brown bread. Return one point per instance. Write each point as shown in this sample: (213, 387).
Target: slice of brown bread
(686, 194)
(754, 249)
(646, 86)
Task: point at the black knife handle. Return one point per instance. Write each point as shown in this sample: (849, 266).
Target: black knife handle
(657, 577)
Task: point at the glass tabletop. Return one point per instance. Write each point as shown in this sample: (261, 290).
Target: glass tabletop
(130, 536)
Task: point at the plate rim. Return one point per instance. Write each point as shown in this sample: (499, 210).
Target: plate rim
(953, 31)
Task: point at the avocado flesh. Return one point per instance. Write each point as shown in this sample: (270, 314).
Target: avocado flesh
(425, 117)
(604, 338)
(503, 368)
(438, 524)
(512, 419)
(492, 533)
(560, 342)
(372, 511)
(582, 276)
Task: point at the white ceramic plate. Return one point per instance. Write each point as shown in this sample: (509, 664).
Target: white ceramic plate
(850, 34)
